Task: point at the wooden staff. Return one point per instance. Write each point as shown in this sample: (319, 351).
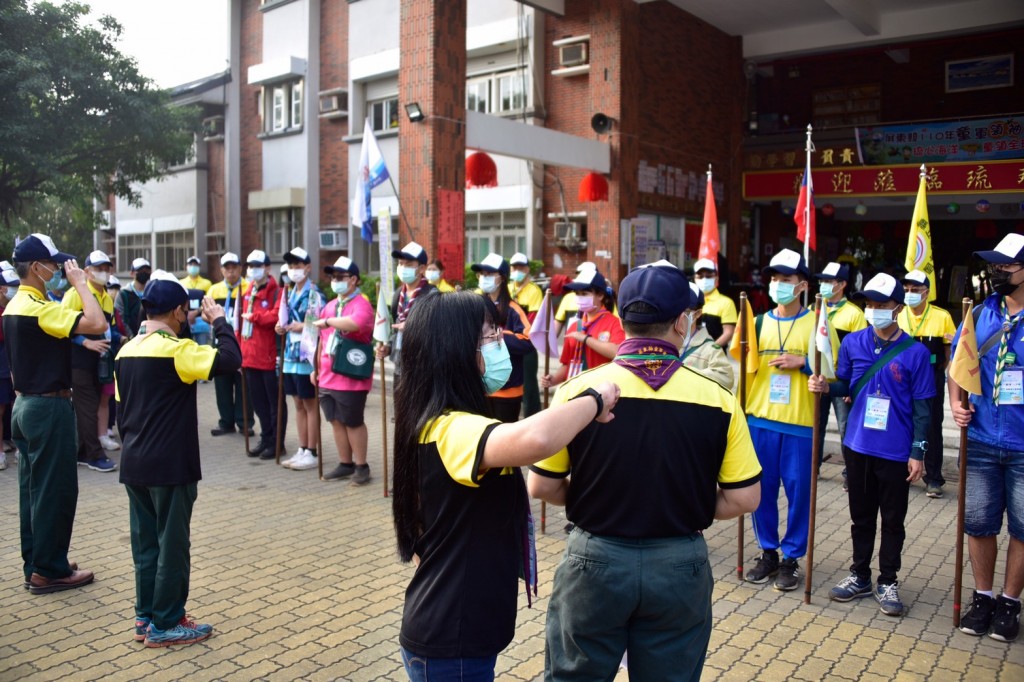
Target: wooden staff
(961, 494)
(245, 389)
(280, 386)
(316, 396)
(743, 404)
(384, 416)
(547, 395)
(815, 454)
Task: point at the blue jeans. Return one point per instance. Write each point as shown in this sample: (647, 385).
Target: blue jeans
(422, 669)
(995, 483)
(648, 597)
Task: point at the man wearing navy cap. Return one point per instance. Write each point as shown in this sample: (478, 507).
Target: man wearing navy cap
(640, 489)
(410, 268)
(889, 379)
(37, 335)
(228, 388)
(157, 373)
(995, 445)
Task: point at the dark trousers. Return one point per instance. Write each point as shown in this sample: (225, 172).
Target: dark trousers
(160, 517)
(86, 399)
(842, 410)
(933, 456)
(112, 418)
(505, 410)
(229, 401)
(44, 431)
(531, 389)
(877, 486)
(262, 385)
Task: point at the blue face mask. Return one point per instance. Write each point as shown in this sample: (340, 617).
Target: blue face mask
(879, 318)
(339, 287)
(827, 290)
(517, 276)
(405, 274)
(488, 283)
(55, 281)
(193, 270)
(497, 366)
(782, 293)
(913, 300)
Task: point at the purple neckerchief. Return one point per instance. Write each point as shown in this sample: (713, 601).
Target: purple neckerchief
(654, 361)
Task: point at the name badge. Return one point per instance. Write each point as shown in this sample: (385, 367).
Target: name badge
(1011, 389)
(398, 341)
(876, 413)
(246, 329)
(779, 389)
(332, 344)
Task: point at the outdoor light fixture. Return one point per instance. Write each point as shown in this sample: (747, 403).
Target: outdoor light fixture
(414, 112)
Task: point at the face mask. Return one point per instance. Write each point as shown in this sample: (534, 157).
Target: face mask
(488, 284)
(782, 293)
(297, 275)
(706, 284)
(406, 274)
(827, 290)
(101, 278)
(433, 276)
(142, 277)
(913, 300)
(53, 283)
(193, 270)
(1001, 283)
(879, 318)
(687, 335)
(585, 303)
(339, 287)
(497, 366)
(9, 292)
(184, 331)
(517, 276)
(254, 274)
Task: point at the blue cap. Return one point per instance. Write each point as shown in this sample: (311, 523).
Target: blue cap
(662, 286)
(492, 263)
(588, 279)
(163, 293)
(10, 278)
(411, 251)
(343, 264)
(881, 288)
(840, 271)
(38, 247)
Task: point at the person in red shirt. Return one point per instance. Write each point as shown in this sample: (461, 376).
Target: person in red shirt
(259, 351)
(595, 335)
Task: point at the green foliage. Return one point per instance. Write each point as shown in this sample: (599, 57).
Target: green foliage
(368, 285)
(469, 280)
(77, 119)
(69, 224)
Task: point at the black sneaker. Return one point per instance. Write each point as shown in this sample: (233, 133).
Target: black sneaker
(1006, 621)
(767, 566)
(219, 431)
(361, 475)
(789, 575)
(341, 471)
(978, 617)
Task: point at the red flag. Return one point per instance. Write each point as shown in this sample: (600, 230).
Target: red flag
(804, 214)
(709, 234)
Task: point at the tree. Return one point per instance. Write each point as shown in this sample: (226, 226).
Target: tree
(77, 119)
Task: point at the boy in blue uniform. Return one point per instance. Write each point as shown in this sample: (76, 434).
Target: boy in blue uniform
(888, 376)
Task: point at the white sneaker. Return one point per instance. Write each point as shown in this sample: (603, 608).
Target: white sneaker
(304, 461)
(287, 463)
(109, 443)
(3, 461)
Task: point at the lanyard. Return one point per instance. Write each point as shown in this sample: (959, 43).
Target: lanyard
(927, 309)
(778, 322)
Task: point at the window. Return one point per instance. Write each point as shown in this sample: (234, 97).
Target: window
(174, 248)
(383, 114)
(497, 93)
(132, 246)
(502, 232)
(511, 92)
(281, 107)
(478, 94)
(281, 230)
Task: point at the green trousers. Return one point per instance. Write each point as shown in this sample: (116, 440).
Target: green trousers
(531, 389)
(44, 431)
(160, 517)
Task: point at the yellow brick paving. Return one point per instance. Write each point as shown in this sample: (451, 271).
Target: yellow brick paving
(301, 580)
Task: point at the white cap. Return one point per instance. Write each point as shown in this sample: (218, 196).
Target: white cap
(6, 265)
(97, 258)
(411, 251)
(163, 275)
(257, 257)
(658, 264)
(140, 263)
(113, 281)
(492, 261)
(229, 258)
(586, 265)
(10, 277)
(297, 254)
(704, 264)
(832, 269)
(881, 288)
(284, 268)
(916, 276)
(518, 259)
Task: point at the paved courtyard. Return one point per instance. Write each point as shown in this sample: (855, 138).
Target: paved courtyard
(301, 580)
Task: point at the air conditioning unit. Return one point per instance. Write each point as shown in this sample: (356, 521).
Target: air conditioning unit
(213, 127)
(567, 233)
(334, 103)
(573, 54)
(334, 240)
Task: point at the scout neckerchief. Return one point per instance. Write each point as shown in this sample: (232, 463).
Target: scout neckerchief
(250, 303)
(230, 309)
(1004, 347)
(653, 361)
(924, 316)
(835, 308)
(406, 299)
(579, 356)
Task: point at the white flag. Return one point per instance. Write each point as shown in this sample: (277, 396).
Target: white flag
(825, 340)
(382, 325)
(542, 333)
(372, 171)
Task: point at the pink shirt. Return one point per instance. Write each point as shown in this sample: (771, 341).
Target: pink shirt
(361, 312)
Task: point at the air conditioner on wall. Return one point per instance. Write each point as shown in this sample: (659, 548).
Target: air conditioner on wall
(334, 240)
(567, 233)
(334, 103)
(574, 54)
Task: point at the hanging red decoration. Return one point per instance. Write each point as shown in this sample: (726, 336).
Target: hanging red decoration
(828, 210)
(481, 171)
(594, 187)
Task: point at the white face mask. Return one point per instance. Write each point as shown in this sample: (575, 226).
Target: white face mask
(488, 283)
(879, 318)
(101, 278)
(406, 274)
(706, 284)
(9, 292)
(912, 299)
(254, 274)
(433, 276)
(297, 275)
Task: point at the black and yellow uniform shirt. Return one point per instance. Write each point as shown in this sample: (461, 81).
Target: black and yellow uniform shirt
(846, 317)
(718, 310)
(82, 357)
(155, 377)
(461, 602)
(37, 333)
(933, 327)
(653, 471)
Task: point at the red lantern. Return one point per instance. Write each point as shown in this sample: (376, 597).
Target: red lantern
(828, 210)
(481, 171)
(593, 188)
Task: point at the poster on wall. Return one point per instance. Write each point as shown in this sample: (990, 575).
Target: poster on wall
(639, 228)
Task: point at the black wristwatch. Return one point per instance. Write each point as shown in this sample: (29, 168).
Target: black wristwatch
(597, 397)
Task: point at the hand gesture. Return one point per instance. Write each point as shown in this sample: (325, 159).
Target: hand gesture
(100, 346)
(961, 416)
(545, 381)
(817, 384)
(787, 361)
(382, 351)
(610, 395)
(74, 274)
(915, 467)
(211, 310)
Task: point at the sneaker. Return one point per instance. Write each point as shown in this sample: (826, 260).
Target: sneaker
(789, 575)
(109, 443)
(849, 588)
(104, 464)
(361, 475)
(1006, 621)
(3, 461)
(977, 619)
(185, 632)
(341, 471)
(888, 598)
(933, 491)
(9, 446)
(767, 566)
(141, 625)
(287, 463)
(304, 461)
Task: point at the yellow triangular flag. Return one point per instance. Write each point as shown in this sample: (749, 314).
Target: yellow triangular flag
(965, 369)
(746, 329)
(919, 246)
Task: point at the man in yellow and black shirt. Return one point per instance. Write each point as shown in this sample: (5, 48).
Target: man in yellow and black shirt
(37, 333)
(157, 416)
(719, 314)
(643, 486)
(528, 296)
(933, 327)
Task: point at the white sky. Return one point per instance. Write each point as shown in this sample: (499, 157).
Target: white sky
(174, 41)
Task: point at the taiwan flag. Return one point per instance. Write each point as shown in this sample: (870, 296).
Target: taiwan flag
(804, 214)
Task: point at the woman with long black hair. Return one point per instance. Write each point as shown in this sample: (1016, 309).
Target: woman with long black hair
(460, 506)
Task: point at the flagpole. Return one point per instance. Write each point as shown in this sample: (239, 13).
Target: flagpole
(319, 426)
(815, 455)
(384, 413)
(401, 211)
(547, 393)
(808, 148)
(743, 331)
(961, 493)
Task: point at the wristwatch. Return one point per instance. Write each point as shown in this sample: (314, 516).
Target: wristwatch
(923, 444)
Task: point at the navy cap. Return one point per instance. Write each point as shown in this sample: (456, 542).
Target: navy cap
(38, 247)
(840, 271)
(1009, 250)
(492, 263)
(343, 264)
(698, 294)
(881, 288)
(163, 293)
(411, 251)
(588, 279)
(10, 278)
(916, 277)
(297, 255)
(257, 257)
(787, 262)
(662, 286)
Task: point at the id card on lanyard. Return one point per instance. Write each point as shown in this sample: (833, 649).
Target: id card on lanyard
(876, 412)
(1011, 390)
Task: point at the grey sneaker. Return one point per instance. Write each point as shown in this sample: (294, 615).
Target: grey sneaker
(767, 566)
(933, 491)
(341, 471)
(888, 598)
(849, 588)
(789, 575)
(361, 475)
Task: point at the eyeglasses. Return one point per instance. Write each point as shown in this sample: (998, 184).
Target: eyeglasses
(489, 338)
(1011, 268)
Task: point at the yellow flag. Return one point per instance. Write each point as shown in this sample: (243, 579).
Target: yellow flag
(919, 246)
(965, 369)
(745, 329)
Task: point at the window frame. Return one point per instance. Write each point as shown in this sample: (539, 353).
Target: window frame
(389, 114)
(281, 107)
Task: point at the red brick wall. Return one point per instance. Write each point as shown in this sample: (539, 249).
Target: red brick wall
(251, 172)
(216, 213)
(333, 152)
